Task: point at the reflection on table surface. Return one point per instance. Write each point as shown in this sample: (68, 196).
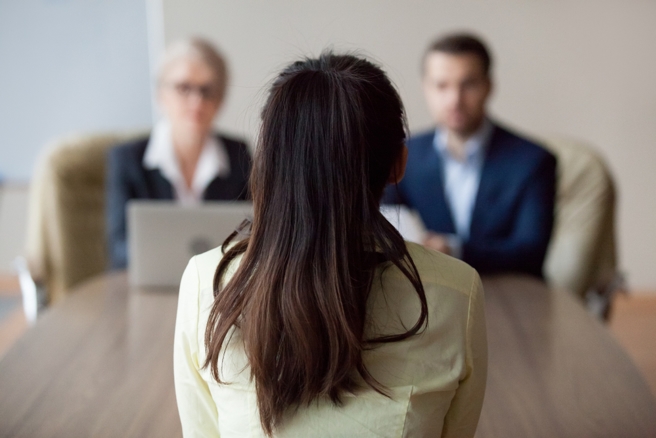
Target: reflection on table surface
(100, 364)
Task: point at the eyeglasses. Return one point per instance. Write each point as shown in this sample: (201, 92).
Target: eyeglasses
(205, 92)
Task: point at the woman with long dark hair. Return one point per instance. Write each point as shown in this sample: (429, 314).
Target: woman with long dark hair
(323, 321)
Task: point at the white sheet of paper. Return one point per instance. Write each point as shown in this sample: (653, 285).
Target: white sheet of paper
(406, 221)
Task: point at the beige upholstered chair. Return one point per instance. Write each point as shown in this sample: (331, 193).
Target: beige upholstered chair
(66, 222)
(582, 254)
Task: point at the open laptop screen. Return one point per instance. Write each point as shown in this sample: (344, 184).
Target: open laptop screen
(164, 235)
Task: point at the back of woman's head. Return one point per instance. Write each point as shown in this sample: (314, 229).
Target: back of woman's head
(334, 124)
(332, 131)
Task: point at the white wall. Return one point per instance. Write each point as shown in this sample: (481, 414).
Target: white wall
(584, 69)
(69, 65)
(13, 224)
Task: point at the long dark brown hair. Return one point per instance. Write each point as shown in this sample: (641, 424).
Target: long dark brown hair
(332, 131)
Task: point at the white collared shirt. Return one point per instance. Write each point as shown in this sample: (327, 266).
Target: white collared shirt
(212, 162)
(461, 178)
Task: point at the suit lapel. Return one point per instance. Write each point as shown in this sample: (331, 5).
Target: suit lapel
(436, 211)
(488, 186)
(158, 186)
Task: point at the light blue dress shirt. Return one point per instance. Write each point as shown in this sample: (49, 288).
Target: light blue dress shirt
(461, 180)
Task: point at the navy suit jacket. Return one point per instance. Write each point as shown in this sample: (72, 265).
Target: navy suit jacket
(514, 208)
(127, 179)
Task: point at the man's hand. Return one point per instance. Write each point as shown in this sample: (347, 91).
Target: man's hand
(438, 242)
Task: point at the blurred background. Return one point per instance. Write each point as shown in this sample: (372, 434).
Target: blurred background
(581, 69)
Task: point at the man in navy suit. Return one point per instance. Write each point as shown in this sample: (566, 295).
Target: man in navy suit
(485, 194)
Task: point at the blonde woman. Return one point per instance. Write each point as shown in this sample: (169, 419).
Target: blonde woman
(182, 159)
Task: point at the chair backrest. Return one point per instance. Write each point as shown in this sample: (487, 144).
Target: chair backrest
(66, 221)
(582, 253)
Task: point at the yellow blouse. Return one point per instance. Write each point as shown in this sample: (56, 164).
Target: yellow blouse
(436, 379)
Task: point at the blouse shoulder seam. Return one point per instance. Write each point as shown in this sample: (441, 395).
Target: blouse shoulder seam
(197, 309)
(472, 291)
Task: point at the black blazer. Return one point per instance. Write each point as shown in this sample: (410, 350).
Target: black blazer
(127, 179)
(513, 212)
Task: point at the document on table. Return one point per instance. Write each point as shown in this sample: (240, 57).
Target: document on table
(406, 221)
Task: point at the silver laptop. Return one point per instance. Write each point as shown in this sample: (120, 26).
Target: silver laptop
(163, 236)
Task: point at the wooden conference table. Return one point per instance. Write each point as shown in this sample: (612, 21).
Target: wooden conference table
(99, 364)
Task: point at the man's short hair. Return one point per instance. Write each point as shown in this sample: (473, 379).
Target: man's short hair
(460, 44)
